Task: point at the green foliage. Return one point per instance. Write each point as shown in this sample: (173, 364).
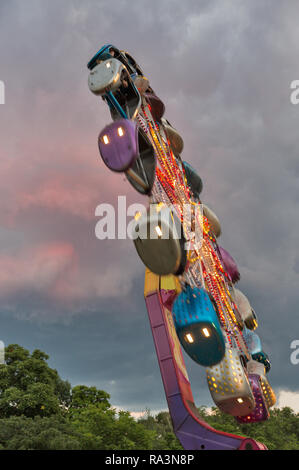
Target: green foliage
(38, 399)
(165, 438)
(38, 410)
(53, 433)
(101, 427)
(28, 386)
(83, 396)
(279, 432)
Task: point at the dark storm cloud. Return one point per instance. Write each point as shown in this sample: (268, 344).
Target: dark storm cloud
(224, 71)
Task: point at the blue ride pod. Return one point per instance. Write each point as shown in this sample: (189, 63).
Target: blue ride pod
(253, 341)
(198, 327)
(255, 348)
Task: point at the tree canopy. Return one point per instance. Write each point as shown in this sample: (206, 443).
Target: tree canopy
(40, 411)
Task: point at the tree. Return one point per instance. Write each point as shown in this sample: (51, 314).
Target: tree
(83, 396)
(53, 433)
(279, 432)
(165, 438)
(29, 387)
(101, 427)
(39, 411)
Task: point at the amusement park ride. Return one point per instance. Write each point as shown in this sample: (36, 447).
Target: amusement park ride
(190, 291)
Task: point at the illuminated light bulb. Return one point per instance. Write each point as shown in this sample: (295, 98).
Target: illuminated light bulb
(137, 215)
(206, 332)
(159, 231)
(240, 400)
(108, 65)
(159, 206)
(106, 139)
(120, 131)
(189, 338)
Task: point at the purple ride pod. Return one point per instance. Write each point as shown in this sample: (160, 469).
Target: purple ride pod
(125, 147)
(230, 265)
(118, 145)
(157, 106)
(260, 412)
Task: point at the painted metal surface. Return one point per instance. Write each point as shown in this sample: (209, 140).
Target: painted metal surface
(192, 431)
(158, 243)
(260, 412)
(106, 77)
(213, 220)
(243, 305)
(198, 327)
(230, 265)
(118, 145)
(229, 385)
(175, 139)
(193, 179)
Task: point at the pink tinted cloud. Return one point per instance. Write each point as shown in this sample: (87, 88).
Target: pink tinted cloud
(51, 172)
(57, 279)
(36, 270)
(66, 187)
(59, 194)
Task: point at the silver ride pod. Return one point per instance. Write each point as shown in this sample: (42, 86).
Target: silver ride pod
(159, 240)
(246, 311)
(229, 385)
(105, 77)
(175, 140)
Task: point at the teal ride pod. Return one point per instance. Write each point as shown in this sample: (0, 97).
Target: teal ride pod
(253, 341)
(255, 348)
(263, 358)
(198, 327)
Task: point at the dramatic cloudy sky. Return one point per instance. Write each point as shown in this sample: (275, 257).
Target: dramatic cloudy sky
(223, 69)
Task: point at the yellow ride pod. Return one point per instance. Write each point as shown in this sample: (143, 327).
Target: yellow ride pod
(229, 385)
(255, 367)
(176, 141)
(151, 283)
(246, 311)
(213, 220)
(159, 240)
